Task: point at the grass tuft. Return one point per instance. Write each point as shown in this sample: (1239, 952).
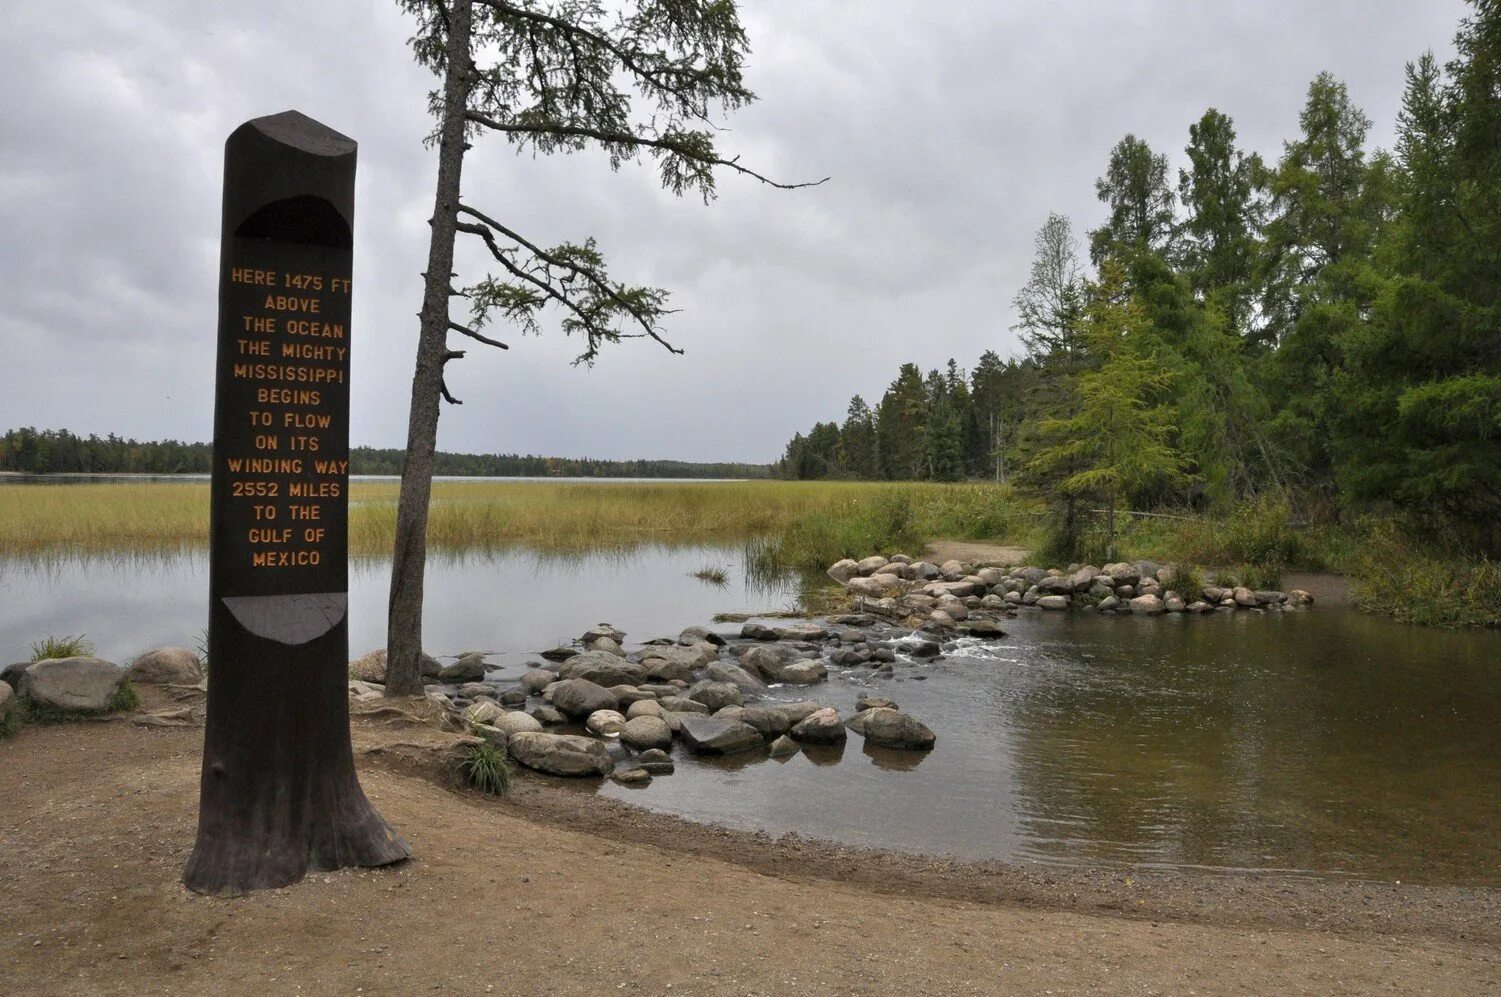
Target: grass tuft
(714, 575)
(61, 647)
(488, 769)
(1397, 576)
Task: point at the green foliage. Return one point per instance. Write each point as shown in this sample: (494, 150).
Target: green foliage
(61, 647)
(487, 768)
(1416, 583)
(127, 698)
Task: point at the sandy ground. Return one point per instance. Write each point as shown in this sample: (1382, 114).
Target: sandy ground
(555, 892)
(975, 552)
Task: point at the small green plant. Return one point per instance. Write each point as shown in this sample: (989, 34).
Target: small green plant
(1188, 581)
(61, 647)
(487, 769)
(201, 644)
(714, 575)
(126, 698)
(1261, 576)
(1226, 579)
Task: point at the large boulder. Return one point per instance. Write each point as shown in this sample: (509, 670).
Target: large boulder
(682, 704)
(646, 732)
(667, 661)
(892, 729)
(805, 672)
(603, 669)
(7, 705)
(719, 736)
(516, 722)
(537, 679)
(166, 666)
(605, 722)
(700, 635)
(1245, 597)
(371, 667)
(724, 671)
(645, 708)
(468, 668)
(1054, 602)
(483, 711)
(602, 631)
(715, 695)
(843, 570)
(874, 587)
(820, 727)
(769, 720)
(1149, 605)
(1122, 573)
(870, 565)
(561, 754)
(11, 674)
(580, 697)
(767, 661)
(81, 684)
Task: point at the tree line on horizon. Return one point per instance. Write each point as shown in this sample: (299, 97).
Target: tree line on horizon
(57, 451)
(1324, 328)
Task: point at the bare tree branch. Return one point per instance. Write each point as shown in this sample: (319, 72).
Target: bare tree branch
(450, 399)
(628, 140)
(456, 327)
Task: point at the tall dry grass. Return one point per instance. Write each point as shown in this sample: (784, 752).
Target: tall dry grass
(151, 518)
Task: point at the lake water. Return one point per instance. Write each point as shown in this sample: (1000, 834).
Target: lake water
(1322, 742)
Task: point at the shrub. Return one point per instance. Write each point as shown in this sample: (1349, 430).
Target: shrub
(487, 769)
(1394, 575)
(10, 724)
(61, 647)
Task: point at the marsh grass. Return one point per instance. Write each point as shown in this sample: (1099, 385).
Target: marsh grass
(487, 769)
(1396, 575)
(61, 647)
(811, 519)
(713, 575)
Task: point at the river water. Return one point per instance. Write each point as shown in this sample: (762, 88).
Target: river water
(1324, 743)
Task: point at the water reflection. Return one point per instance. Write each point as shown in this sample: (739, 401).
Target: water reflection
(1321, 741)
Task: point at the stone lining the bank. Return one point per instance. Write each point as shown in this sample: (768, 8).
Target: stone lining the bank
(972, 597)
(619, 714)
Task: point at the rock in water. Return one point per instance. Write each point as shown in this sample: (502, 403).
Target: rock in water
(1147, 604)
(714, 736)
(166, 666)
(724, 671)
(805, 672)
(715, 695)
(561, 754)
(73, 684)
(843, 571)
(893, 729)
(469, 668)
(605, 722)
(646, 732)
(580, 697)
(602, 631)
(820, 727)
(636, 776)
(603, 669)
(1054, 602)
(371, 667)
(537, 679)
(547, 715)
(784, 746)
(868, 701)
(516, 722)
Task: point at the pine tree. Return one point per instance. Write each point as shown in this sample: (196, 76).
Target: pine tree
(1135, 188)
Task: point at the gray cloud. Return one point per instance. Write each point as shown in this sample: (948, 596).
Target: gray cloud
(950, 131)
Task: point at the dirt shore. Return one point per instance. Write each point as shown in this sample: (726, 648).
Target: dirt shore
(559, 892)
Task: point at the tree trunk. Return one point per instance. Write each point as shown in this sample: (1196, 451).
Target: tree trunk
(404, 620)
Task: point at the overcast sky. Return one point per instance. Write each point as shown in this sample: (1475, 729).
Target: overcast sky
(950, 130)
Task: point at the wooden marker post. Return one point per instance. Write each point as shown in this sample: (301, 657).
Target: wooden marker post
(279, 795)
